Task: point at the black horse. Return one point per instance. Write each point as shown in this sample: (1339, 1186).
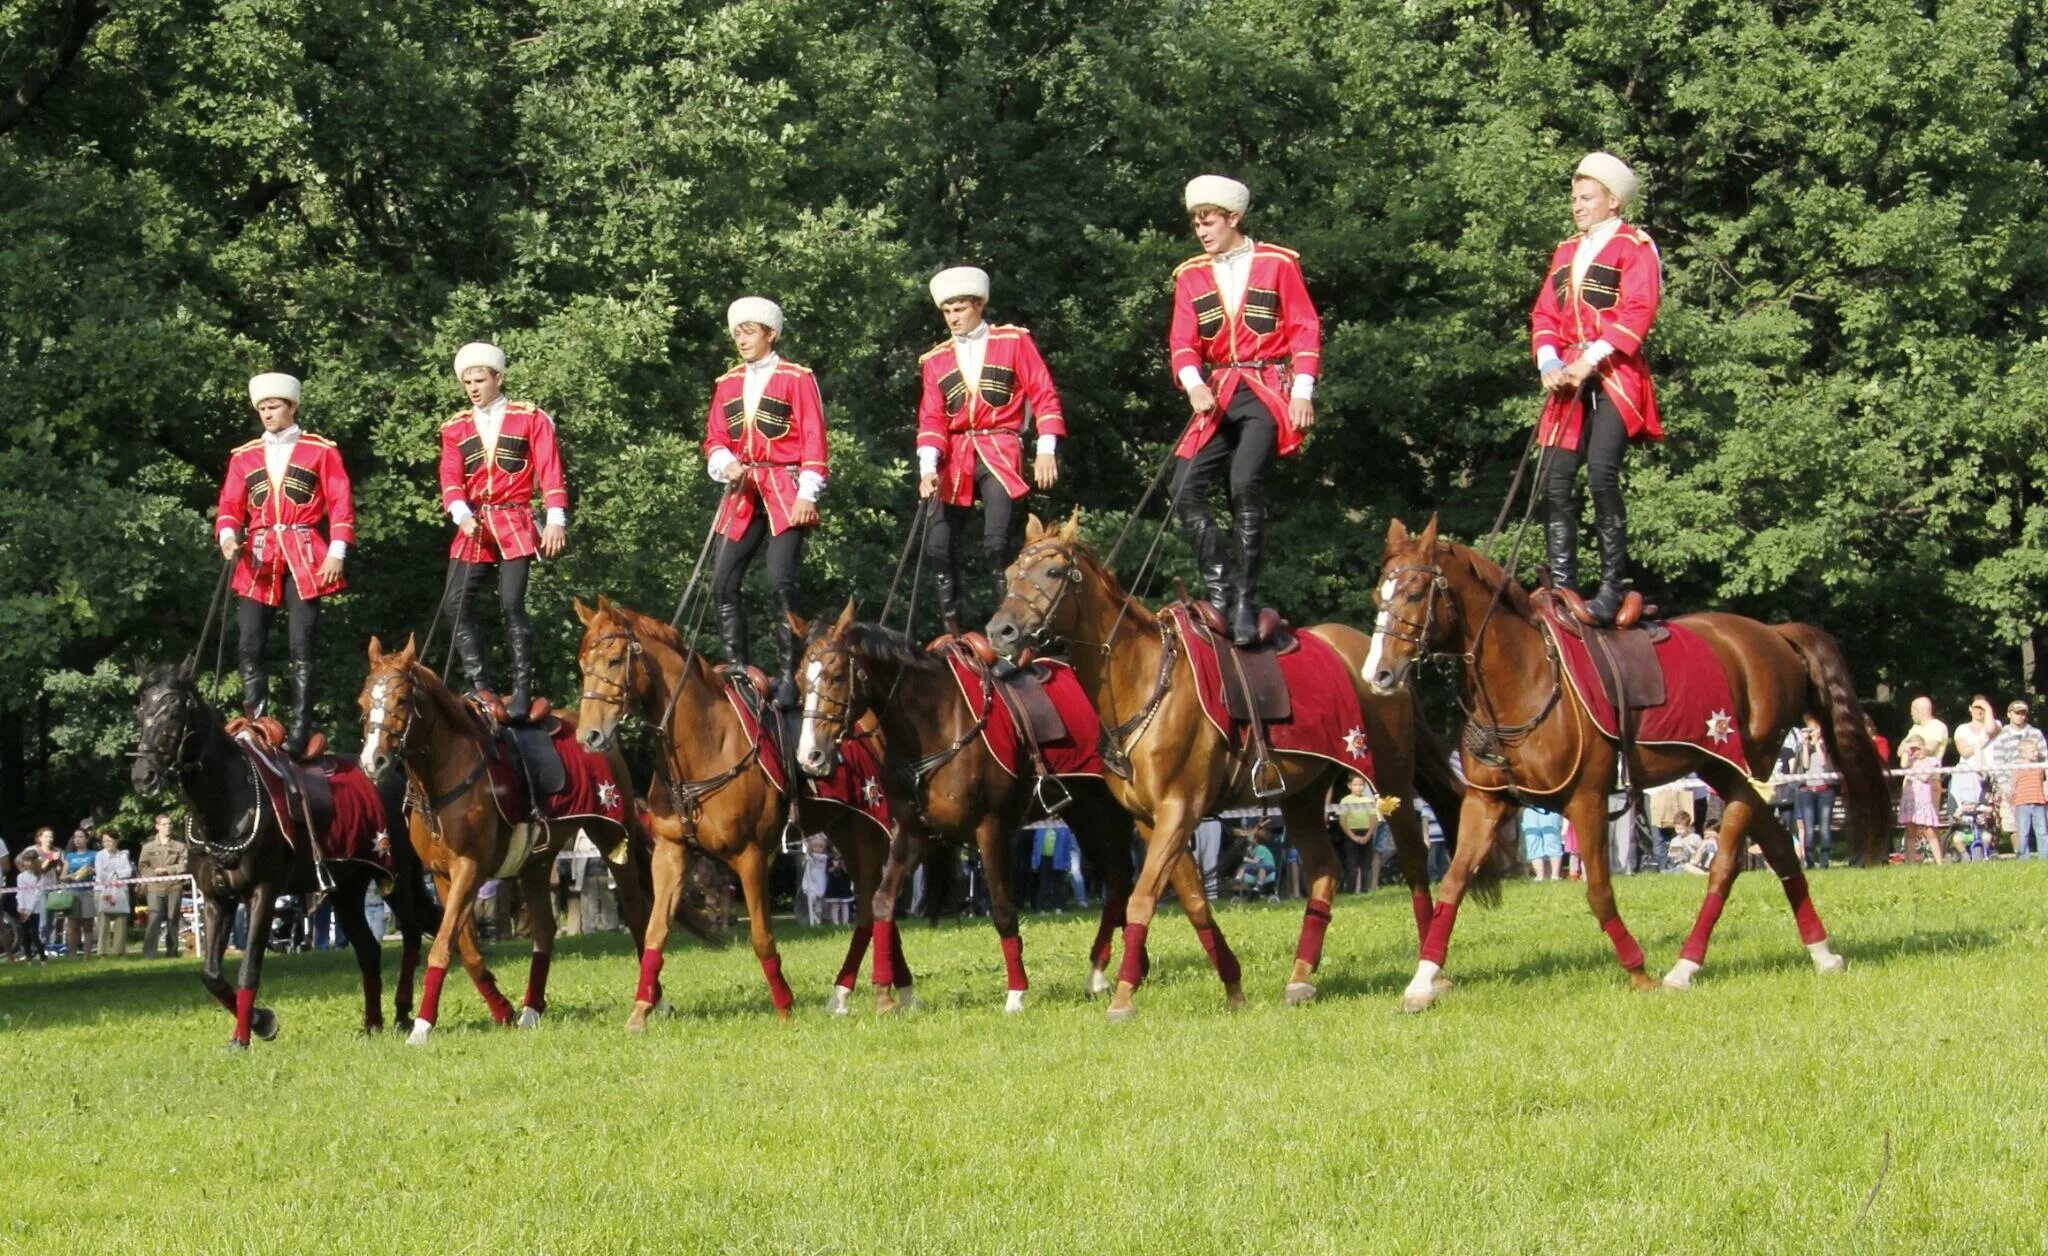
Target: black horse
(239, 853)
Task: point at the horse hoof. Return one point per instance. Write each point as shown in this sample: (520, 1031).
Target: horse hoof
(885, 1001)
(1013, 1002)
(663, 1007)
(1441, 983)
(263, 1023)
(1830, 963)
(1640, 981)
(1416, 1003)
(1299, 992)
(404, 1024)
(1098, 984)
(835, 1002)
(1680, 976)
(236, 1044)
(529, 1018)
(1234, 1000)
(907, 1000)
(1119, 1015)
(420, 1031)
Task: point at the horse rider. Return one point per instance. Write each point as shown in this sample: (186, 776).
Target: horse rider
(978, 383)
(765, 440)
(1592, 314)
(495, 456)
(286, 519)
(1246, 348)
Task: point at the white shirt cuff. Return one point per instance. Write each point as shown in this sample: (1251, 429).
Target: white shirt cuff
(338, 549)
(1190, 378)
(459, 511)
(808, 485)
(1597, 352)
(720, 459)
(1304, 387)
(228, 533)
(557, 517)
(1549, 362)
(1048, 446)
(927, 460)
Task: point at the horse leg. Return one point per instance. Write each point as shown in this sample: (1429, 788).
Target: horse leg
(1320, 867)
(669, 864)
(458, 921)
(1102, 830)
(250, 1018)
(1172, 825)
(409, 902)
(1411, 847)
(219, 917)
(540, 924)
(864, 857)
(348, 912)
(1587, 811)
(1479, 821)
(752, 866)
(883, 909)
(1194, 900)
(480, 974)
(991, 837)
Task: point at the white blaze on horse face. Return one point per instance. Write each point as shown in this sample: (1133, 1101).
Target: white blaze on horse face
(807, 741)
(376, 737)
(1379, 630)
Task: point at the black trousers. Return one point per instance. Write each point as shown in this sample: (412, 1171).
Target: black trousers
(785, 555)
(1245, 441)
(253, 620)
(1603, 440)
(944, 542)
(469, 581)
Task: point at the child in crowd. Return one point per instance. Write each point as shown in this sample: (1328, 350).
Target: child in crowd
(1919, 812)
(28, 904)
(2029, 800)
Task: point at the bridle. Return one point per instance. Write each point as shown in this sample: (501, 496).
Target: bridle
(838, 710)
(170, 758)
(841, 711)
(1045, 607)
(430, 805)
(623, 688)
(687, 797)
(1412, 632)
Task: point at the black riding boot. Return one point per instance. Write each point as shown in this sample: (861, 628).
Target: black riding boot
(1206, 539)
(302, 708)
(946, 583)
(1249, 522)
(791, 648)
(469, 648)
(519, 644)
(732, 630)
(1610, 523)
(1561, 549)
(255, 690)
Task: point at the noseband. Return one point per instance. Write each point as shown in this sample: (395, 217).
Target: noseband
(839, 709)
(624, 688)
(1417, 634)
(1044, 608)
(151, 740)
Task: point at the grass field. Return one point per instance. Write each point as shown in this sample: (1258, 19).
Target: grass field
(1540, 1108)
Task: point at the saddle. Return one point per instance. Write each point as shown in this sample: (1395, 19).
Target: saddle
(493, 707)
(529, 744)
(1252, 685)
(270, 731)
(1023, 692)
(1625, 658)
(978, 648)
(308, 794)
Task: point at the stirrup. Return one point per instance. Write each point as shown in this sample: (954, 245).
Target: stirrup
(1061, 799)
(1267, 779)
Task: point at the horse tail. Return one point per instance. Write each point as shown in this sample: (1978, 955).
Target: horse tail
(1831, 697)
(1445, 794)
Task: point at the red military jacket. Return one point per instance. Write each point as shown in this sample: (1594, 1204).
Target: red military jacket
(1273, 335)
(1616, 302)
(985, 422)
(782, 436)
(280, 519)
(498, 481)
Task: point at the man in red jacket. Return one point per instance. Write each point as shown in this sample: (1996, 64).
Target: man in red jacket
(495, 456)
(281, 489)
(978, 383)
(1598, 300)
(1247, 348)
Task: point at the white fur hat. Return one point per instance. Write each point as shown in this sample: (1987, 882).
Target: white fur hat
(957, 282)
(273, 384)
(1224, 193)
(479, 353)
(754, 310)
(1610, 172)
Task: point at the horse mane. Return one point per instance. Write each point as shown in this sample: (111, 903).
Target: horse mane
(174, 676)
(877, 644)
(1137, 611)
(1492, 575)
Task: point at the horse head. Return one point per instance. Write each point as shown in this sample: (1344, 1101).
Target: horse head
(1036, 607)
(616, 673)
(1417, 612)
(391, 705)
(832, 681)
(173, 720)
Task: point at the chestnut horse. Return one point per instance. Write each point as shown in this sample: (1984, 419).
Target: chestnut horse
(947, 783)
(1534, 744)
(463, 835)
(711, 792)
(241, 857)
(1182, 768)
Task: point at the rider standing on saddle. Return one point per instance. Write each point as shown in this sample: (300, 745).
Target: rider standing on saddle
(1591, 318)
(1242, 315)
(765, 438)
(281, 488)
(494, 456)
(970, 434)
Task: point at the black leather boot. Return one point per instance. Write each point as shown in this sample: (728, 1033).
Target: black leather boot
(469, 648)
(1610, 524)
(732, 630)
(519, 644)
(791, 649)
(1561, 549)
(1206, 539)
(302, 708)
(1249, 524)
(255, 690)
(946, 584)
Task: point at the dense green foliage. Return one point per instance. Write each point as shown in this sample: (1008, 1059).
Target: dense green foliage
(1540, 1108)
(1848, 194)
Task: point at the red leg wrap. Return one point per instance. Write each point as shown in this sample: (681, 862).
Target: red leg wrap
(1625, 948)
(1013, 962)
(245, 1007)
(1105, 934)
(537, 981)
(1314, 923)
(1438, 941)
(1424, 909)
(1811, 930)
(501, 1007)
(430, 1001)
(1220, 955)
(649, 991)
(856, 951)
(885, 952)
(778, 989)
(1695, 948)
(1134, 955)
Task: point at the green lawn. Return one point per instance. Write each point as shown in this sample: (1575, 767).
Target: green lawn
(1540, 1108)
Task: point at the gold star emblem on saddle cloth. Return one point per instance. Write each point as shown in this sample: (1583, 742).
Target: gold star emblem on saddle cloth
(1720, 726)
(1354, 743)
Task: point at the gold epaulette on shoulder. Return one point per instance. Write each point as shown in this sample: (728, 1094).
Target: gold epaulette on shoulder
(798, 367)
(1281, 249)
(314, 438)
(1193, 261)
(1009, 329)
(458, 417)
(927, 355)
(246, 446)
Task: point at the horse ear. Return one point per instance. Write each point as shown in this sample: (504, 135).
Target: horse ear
(1034, 527)
(1429, 534)
(799, 625)
(1397, 532)
(1070, 531)
(604, 602)
(376, 650)
(583, 613)
(845, 618)
(412, 648)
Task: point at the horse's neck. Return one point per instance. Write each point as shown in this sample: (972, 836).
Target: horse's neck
(919, 709)
(1509, 678)
(699, 703)
(448, 747)
(217, 790)
(1118, 674)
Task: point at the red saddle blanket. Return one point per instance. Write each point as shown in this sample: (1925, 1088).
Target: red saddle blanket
(1079, 753)
(347, 814)
(856, 783)
(589, 786)
(1698, 708)
(1326, 722)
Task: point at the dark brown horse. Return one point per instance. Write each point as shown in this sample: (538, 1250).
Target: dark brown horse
(945, 782)
(1533, 743)
(241, 856)
(1181, 767)
(711, 792)
(464, 835)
